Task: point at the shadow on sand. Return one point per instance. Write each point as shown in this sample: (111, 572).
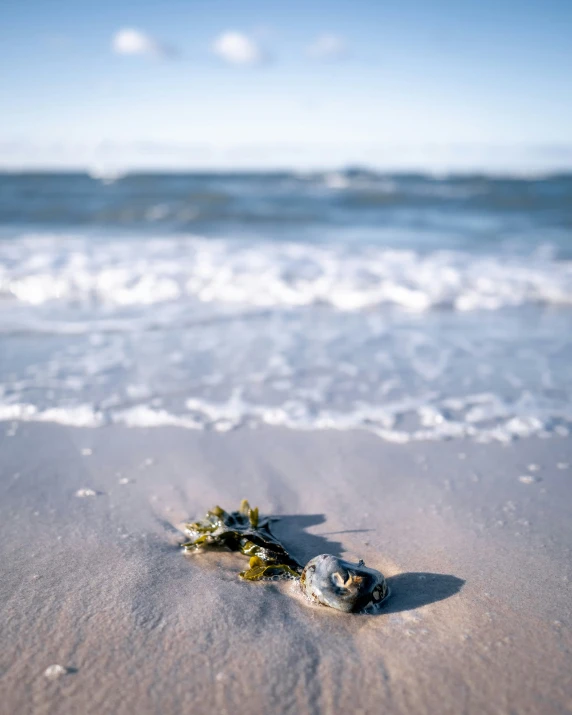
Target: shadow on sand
(290, 531)
(413, 590)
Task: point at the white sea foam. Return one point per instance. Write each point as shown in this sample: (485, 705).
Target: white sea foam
(116, 274)
(207, 334)
(382, 421)
(75, 416)
(145, 416)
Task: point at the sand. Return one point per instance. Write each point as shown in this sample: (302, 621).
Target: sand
(478, 560)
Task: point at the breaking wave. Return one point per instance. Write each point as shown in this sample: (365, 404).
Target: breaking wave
(116, 274)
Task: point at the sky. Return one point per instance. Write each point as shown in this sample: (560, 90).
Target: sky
(230, 84)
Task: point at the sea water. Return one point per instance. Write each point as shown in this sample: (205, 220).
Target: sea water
(415, 307)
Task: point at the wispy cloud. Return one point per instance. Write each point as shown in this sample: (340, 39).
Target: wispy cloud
(129, 41)
(328, 47)
(237, 49)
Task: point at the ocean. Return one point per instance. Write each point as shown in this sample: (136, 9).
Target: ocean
(412, 306)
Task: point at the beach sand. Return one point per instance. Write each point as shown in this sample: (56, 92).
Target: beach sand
(475, 541)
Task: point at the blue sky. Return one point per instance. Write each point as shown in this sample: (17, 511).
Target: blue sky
(222, 82)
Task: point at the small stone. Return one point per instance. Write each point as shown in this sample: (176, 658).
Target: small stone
(563, 465)
(533, 467)
(329, 580)
(86, 452)
(528, 479)
(124, 480)
(55, 671)
(85, 493)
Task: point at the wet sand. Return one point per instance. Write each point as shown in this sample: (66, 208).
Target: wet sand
(475, 542)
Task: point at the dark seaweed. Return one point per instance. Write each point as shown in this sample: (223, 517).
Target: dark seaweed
(249, 533)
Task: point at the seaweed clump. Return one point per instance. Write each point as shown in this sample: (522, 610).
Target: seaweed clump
(326, 579)
(249, 533)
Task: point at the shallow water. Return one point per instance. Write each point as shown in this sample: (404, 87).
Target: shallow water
(410, 306)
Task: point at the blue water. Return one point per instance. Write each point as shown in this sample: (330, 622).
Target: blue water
(411, 306)
(474, 212)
